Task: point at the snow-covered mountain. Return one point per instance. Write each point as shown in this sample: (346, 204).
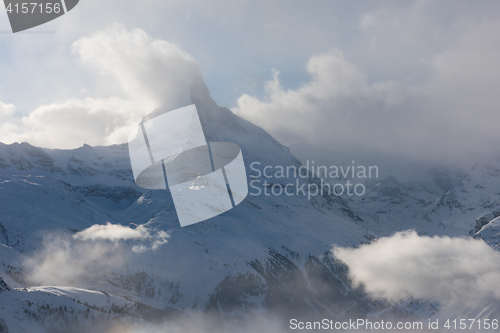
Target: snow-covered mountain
(430, 198)
(270, 254)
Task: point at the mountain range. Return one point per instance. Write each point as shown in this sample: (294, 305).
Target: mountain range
(63, 269)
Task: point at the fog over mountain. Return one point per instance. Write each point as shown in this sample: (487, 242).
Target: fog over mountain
(84, 249)
(76, 220)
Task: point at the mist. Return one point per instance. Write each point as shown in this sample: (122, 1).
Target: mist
(85, 257)
(449, 270)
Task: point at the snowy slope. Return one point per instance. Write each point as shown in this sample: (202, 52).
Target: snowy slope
(268, 255)
(60, 309)
(473, 199)
(448, 205)
(490, 233)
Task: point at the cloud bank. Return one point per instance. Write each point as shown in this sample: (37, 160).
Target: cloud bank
(148, 72)
(90, 253)
(338, 99)
(418, 79)
(117, 232)
(450, 270)
(451, 112)
(146, 68)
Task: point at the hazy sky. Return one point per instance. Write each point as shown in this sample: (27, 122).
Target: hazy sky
(418, 78)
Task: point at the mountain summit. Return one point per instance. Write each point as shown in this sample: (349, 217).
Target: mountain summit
(269, 253)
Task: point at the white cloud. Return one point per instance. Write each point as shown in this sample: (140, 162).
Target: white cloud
(63, 261)
(144, 67)
(453, 113)
(113, 232)
(338, 104)
(6, 110)
(90, 253)
(69, 124)
(451, 270)
(150, 73)
(417, 79)
(117, 232)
